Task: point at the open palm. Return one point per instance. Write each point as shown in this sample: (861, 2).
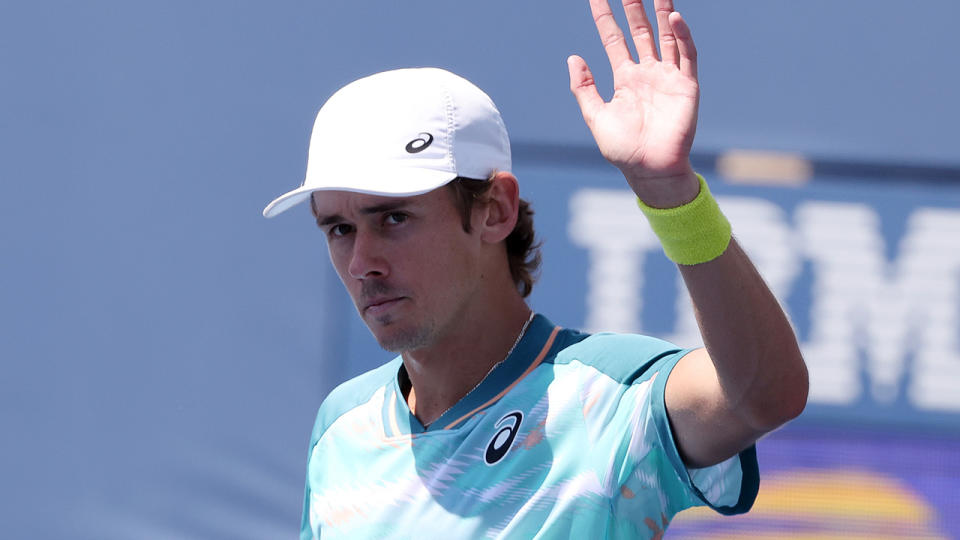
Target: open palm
(647, 127)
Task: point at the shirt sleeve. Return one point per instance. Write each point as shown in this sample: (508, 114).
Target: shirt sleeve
(306, 533)
(622, 388)
(306, 528)
(729, 487)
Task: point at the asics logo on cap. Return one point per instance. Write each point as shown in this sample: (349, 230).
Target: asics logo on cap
(501, 441)
(420, 143)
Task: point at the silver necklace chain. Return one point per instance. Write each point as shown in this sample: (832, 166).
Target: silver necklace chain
(495, 366)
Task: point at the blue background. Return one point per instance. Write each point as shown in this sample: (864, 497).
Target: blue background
(165, 348)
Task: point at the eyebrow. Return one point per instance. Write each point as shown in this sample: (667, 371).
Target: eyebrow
(367, 210)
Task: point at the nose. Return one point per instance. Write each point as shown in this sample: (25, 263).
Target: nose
(367, 258)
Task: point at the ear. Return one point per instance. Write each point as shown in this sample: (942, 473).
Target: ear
(499, 215)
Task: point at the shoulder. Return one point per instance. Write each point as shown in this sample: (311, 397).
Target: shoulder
(351, 394)
(626, 358)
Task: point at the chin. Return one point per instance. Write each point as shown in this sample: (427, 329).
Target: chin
(396, 339)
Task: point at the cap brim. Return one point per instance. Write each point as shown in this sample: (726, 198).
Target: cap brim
(387, 184)
(287, 201)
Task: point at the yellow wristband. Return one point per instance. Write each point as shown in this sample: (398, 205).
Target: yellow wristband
(693, 233)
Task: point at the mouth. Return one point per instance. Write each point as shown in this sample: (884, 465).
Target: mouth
(379, 306)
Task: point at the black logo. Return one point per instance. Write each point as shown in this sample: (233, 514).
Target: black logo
(499, 445)
(420, 143)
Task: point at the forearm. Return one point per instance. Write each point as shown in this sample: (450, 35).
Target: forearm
(760, 372)
(759, 368)
(751, 378)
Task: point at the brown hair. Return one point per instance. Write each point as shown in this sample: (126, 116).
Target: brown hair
(522, 253)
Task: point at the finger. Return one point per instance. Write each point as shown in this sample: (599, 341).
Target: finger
(688, 51)
(610, 34)
(584, 89)
(669, 53)
(640, 29)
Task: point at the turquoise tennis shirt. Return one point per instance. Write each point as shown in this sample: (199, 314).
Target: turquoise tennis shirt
(567, 438)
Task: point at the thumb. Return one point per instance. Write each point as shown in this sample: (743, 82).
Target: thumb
(584, 89)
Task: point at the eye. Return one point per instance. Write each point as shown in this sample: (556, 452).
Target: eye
(340, 229)
(395, 218)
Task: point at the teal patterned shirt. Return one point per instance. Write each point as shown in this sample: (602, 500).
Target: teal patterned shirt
(567, 438)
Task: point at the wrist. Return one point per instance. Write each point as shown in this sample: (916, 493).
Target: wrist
(666, 191)
(693, 233)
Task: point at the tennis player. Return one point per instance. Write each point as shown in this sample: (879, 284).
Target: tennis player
(492, 422)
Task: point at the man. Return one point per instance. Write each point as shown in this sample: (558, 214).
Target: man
(492, 422)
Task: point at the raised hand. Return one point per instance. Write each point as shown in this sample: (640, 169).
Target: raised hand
(647, 128)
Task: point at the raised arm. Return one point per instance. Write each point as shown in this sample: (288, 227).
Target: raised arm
(751, 377)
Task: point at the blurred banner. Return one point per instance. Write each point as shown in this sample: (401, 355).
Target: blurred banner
(869, 273)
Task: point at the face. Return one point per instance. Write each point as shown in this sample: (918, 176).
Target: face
(407, 263)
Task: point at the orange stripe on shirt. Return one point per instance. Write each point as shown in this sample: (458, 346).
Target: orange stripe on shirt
(394, 427)
(536, 362)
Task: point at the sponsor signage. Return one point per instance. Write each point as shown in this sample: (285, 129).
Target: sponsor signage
(868, 270)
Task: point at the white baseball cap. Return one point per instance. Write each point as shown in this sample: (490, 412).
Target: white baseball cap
(399, 133)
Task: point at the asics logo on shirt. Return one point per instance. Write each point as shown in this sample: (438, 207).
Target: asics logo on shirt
(501, 441)
(420, 143)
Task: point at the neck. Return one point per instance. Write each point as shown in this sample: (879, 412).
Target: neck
(446, 371)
